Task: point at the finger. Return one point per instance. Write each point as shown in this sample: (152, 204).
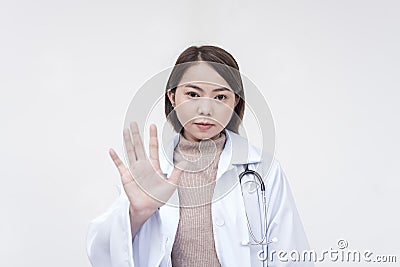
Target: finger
(123, 171)
(138, 145)
(153, 148)
(129, 146)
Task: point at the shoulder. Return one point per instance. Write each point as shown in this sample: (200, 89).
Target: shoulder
(249, 152)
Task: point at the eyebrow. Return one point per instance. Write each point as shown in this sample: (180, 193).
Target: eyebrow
(214, 90)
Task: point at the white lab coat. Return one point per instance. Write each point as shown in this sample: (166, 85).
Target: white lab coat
(109, 241)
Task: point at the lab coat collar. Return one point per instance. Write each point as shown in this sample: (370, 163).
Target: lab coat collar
(243, 153)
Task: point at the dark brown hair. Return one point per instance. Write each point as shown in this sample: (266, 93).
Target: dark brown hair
(223, 63)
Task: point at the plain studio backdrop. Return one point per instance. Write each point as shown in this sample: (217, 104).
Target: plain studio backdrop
(69, 69)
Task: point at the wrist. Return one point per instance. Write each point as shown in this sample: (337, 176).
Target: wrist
(137, 219)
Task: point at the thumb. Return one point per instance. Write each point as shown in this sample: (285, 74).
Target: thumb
(177, 172)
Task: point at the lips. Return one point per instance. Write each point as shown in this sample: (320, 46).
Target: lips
(203, 123)
(203, 126)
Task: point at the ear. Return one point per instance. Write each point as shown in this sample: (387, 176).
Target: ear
(237, 99)
(171, 97)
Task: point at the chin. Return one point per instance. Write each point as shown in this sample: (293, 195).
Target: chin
(205, 135)
(201, 136)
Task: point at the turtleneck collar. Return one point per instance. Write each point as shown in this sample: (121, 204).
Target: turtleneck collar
(202, 147)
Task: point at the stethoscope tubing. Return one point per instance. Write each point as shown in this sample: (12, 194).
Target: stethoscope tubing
(264, 200)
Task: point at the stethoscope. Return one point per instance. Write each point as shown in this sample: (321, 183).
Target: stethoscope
(263, 240)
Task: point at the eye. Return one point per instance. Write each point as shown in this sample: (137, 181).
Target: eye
(221, 97)
(192, 94)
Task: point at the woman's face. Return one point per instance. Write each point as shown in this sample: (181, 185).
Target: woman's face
(204, 102)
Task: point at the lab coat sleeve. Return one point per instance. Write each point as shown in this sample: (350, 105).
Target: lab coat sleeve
(109, 239)
(284, 223)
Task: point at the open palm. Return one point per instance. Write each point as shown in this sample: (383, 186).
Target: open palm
(145, 184)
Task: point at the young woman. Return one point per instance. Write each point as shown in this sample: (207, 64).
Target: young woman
(188, 208)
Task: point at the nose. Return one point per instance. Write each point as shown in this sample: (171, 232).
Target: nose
(205, 106)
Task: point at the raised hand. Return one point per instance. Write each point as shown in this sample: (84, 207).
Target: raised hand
(145, 186)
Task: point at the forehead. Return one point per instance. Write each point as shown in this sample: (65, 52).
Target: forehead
(201, 72)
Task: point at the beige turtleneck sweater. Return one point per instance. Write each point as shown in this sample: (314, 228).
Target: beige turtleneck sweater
(194, 240)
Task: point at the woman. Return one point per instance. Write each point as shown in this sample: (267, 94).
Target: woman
(208, 225)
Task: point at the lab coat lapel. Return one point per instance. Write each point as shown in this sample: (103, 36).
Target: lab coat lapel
(230, 224)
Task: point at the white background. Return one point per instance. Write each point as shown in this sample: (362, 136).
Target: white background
(68, 70)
